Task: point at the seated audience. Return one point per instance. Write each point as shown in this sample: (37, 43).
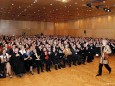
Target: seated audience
(21, 54)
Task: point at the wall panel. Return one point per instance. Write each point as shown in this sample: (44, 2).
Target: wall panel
(103, 26)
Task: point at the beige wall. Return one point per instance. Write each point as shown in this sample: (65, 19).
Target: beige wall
(10, 27)
(103, 26)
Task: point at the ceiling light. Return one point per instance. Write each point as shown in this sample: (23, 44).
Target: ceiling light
(19, 6)
(35, 1)
(75, 2)
(103, 1)
(64, 1)
(51, 4)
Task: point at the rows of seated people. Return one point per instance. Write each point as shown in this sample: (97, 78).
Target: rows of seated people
(22, 54)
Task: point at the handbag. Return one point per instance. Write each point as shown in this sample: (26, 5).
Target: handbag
(106, 56)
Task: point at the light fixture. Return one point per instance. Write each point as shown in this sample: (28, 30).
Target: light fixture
(64, 1)
(51, 4)
(35, 1)
(106, 9)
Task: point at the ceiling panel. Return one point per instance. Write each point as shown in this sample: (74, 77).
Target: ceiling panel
(52, 10)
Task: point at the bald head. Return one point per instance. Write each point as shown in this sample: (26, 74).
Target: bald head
(104, 42)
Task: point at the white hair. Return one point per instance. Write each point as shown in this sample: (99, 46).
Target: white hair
(104, 42)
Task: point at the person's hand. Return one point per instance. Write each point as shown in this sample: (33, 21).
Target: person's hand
(9, 56)
(30, 58)
(17, 55)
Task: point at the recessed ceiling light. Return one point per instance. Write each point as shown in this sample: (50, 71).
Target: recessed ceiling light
(104, 1)
(25, 9)
(35, 1)
(75, 2)
(51, 4)
(19, 6)
(12, 4)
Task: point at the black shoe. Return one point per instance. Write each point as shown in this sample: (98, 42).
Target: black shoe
(20, 75)
(75, 64)
(83, 63)
(56, 67)
(38, 72)
(42, 70)
(32, 72)
(109, 71)
(59, 66)
(63, 66)
(98, 75)
(69, 65)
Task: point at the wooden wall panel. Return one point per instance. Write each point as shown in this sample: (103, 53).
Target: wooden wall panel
(10, 27)
(103, 27)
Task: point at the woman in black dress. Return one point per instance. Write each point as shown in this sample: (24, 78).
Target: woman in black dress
(17, 63)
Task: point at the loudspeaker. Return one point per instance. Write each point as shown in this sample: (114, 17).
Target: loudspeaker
(84, 31)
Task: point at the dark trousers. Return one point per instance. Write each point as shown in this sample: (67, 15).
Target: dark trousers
(84, 58)
(27, 64)
(3, 67)
(74, 59)
(100, 68)
(67, 60)
(39, 66)
(90, 57)
(48, 64)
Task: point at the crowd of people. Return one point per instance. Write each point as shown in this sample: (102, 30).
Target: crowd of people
(22, 54)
